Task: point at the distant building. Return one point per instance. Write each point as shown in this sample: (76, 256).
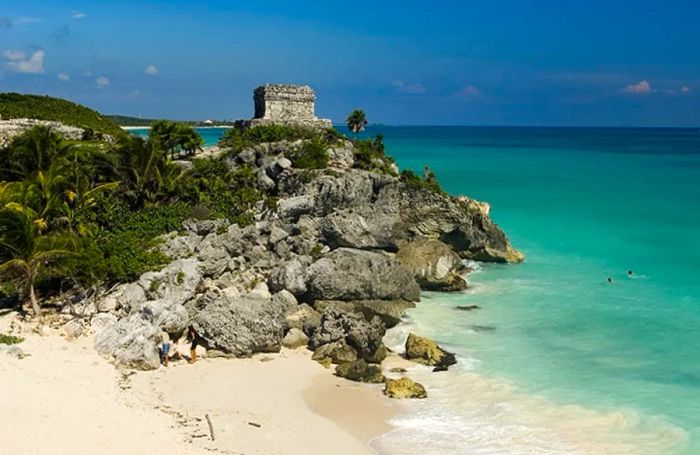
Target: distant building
(208, 122)
(286, 104)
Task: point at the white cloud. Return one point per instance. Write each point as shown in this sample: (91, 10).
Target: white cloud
(87, 73)
(685, 89)
(470, 90)
(102, 81)
(31, 65)
(639, 88)
(26, 20)
(13, 55)
(63, 77)
(414, 89)
(78, 15)
(152, 70)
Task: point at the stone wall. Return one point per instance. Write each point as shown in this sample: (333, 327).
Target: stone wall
(9, 129)
(286, 104)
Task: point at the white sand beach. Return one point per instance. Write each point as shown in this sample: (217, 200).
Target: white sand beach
(64, 398)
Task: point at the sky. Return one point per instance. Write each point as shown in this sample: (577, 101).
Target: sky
(496, 62)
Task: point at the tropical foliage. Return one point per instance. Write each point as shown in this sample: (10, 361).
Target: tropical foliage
(175, 138)
(357, 121)
(370, 155)
(238, 138)
(76, 213)
(15, 105)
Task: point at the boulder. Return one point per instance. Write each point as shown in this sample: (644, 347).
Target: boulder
(338, 352)
(426, 351)
(204, 227)
(179, 246)
(389, 311)
(360, 371)
(289, 276)
(348, 228)
(101, 321)
(73, 329)
(294, 339)
(350, 274)
(125, 296)
(303, 318)
(176, 283)
(365, 336)
(435, 265)
(240, 326)
(213, 254)
(286, 299)
(404, 388)
(292, 208)
(132, 342)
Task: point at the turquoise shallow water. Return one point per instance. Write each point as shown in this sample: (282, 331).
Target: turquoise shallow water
(557, 360)
(583, 205)
(211, 135)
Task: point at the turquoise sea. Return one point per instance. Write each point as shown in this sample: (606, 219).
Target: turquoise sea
(557, 360)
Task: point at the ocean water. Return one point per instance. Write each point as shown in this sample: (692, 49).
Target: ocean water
(211, 135)
(557, 360)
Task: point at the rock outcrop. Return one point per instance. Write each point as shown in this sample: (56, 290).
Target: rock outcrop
(360, 371)
(404, 388)
(435, 265)
(351, 274)
(239, 325)
(340, 259)
(427, 352)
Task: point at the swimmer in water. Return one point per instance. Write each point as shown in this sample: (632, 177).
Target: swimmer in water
(609, 280)
(629, 273)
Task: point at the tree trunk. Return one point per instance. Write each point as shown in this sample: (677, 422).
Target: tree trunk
(35, 304)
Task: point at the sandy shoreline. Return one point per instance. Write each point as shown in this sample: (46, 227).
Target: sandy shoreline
(64, 398)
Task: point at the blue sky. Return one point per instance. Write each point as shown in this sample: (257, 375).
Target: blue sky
(612, 63)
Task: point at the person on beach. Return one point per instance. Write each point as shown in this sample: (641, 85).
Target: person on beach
(194, 339)
(165, 348)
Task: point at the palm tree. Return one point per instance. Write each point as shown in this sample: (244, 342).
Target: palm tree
(24, 252)
(33, 151)
(357, 121)
(146, 172)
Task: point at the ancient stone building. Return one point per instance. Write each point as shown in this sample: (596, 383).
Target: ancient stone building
(286, 104)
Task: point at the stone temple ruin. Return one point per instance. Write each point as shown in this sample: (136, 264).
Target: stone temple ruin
(286, 104)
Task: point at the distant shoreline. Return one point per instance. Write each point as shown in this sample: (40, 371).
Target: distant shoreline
(147, 127)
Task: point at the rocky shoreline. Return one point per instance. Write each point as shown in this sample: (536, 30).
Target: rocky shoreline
(334, 263)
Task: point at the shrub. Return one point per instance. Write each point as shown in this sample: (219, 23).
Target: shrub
(312, 155)
(225, 192)
(238, 138)
(124, 248)
(10, 339)
(369, 155)
(415, 182)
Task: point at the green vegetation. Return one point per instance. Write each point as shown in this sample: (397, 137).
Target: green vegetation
(236, 139)
(313, 154)
(370, 156)
(124, 120)
(357, 121)
(77, 213)
(15, 105)
(176, 138)
(428, 182)
(10, 339)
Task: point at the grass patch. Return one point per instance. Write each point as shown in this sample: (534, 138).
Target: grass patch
(10, 339)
